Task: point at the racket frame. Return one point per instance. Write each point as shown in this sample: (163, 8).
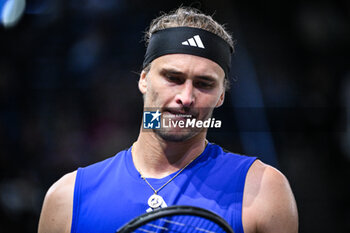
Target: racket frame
(173, 211)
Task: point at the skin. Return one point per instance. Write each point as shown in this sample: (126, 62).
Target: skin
(193, 85)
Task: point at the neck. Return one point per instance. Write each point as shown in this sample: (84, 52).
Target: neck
(154, 157)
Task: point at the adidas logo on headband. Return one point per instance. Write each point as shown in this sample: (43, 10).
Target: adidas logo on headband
(194, 42)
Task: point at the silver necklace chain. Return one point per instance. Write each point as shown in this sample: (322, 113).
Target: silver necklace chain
(155, 201)
(157, 190)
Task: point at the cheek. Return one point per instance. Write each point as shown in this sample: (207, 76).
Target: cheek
(154, 96)
(208, 100)
(157, 92)
(151, 97)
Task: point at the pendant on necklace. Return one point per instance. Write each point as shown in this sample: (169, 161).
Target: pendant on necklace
(155, 202)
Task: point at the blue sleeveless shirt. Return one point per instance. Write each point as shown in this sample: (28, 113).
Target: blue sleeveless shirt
(110, 193)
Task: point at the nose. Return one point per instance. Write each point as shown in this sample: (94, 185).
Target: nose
(185, 97)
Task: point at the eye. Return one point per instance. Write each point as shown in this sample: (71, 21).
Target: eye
(204, 84)
(174, 79)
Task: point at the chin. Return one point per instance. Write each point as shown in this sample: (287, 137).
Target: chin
(176, 136)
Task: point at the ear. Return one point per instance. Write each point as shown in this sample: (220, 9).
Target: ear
(221, 99)
(143, 82)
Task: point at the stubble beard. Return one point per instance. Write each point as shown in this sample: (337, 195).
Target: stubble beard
(179, 136)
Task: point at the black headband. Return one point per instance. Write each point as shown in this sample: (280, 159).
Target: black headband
(189, 40)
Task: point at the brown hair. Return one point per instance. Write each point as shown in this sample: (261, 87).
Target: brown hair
(188, 17)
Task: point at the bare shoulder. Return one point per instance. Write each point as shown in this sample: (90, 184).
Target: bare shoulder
(269, 201)
(56, 213)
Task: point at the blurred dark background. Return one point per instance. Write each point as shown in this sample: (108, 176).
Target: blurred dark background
(69, 97)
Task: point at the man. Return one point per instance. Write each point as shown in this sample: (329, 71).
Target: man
(184, 78)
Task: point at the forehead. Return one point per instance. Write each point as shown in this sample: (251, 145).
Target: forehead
(189, 64)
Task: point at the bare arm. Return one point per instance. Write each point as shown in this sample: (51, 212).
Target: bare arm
(56, 213)
(269, 201)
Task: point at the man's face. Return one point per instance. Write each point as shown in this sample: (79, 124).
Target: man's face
(181, 84)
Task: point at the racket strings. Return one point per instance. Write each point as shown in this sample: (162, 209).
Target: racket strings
(181, 223)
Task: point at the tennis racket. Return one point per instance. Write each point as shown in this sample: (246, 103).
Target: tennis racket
(178, 219)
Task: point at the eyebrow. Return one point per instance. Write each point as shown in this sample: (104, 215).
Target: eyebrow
(171, 71)
(177, 72)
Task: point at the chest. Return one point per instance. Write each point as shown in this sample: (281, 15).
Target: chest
(117, 204)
